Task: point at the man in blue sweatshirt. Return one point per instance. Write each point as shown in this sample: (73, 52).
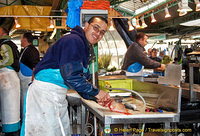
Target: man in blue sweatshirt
(64, 66)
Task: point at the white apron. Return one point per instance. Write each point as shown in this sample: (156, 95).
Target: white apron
(24, 82)
(46, 112)
(25, 76)
(10, 100)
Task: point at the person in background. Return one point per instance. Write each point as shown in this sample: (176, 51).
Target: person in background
(161, 54)
(185, 66)
(135, 57)
(29, 57)
(9, 85)
(154, 55)
(149, 52)
(64, 66)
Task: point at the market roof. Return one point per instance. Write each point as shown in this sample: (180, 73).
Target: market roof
(131, 8)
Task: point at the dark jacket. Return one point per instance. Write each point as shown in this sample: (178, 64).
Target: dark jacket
(155, 59)
(135, 53)
(30, 56)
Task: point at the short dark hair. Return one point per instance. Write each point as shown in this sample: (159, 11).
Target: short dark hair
(139, 36)
(5, 30)
(28, 36)
(154, 49)
(100, 17)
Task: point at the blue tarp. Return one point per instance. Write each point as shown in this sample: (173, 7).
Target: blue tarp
(73, 13)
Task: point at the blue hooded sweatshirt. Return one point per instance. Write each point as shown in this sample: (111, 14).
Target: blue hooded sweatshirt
(66, 63)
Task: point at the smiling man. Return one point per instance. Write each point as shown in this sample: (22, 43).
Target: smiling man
(64, 66)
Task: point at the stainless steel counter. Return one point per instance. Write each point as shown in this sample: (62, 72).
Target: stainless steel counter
(108, 118)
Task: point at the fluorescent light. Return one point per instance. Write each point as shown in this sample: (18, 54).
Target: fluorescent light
(196, 36)
(53, 34)
(145, 8)
(191, 23)
(38, 32)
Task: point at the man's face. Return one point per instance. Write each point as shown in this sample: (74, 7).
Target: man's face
(143, 42)
(154, 54)
(149, 51)
(95, 30)
(22, 40)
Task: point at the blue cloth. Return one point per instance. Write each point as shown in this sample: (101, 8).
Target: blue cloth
(22, 132)
(26, 71)
(159, 73)
(70, 55)
(10, 67)
(51, 76)
(135, 67)
(6, 128)
(73, 13)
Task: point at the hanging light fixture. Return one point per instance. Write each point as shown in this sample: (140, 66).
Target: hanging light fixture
(130, 26)
(144, 25)
(153, 20)
(137, 23)
(17, 23)
(183, 6)
(51, 23)
(182, 13)
(133, 21)
(180, 10)
(111, 25)
(167, 15)
(197, 5)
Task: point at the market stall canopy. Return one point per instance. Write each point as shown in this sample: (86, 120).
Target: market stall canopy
(35, 21)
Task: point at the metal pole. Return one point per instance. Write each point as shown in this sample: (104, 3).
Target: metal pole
(95, 125)
(93, 73)
(83, 120)
(191, 81)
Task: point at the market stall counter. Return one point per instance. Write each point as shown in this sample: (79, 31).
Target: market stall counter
(166, 100)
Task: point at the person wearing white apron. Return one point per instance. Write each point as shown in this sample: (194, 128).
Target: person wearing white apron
(65, 65)
(9, 84)
(29, 57)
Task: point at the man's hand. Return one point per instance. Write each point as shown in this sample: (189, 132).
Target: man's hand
(161, 68)
(103, 97)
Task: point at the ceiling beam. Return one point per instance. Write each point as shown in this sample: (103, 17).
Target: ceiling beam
(56, 4)
(30, 2)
